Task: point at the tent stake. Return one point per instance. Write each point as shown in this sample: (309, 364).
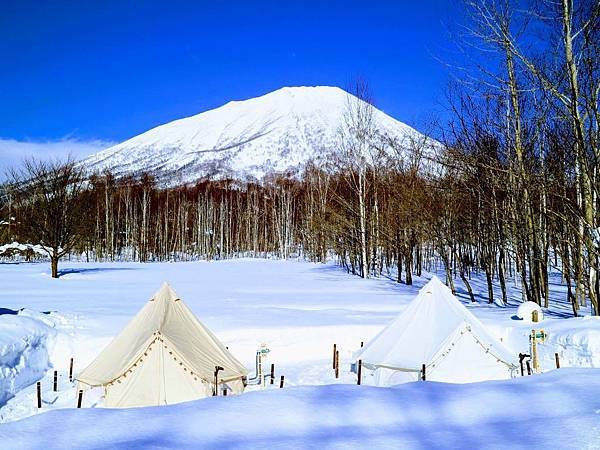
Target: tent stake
(39, 394)
(423, 377)
(358, 381)
(55, 381)
(557, 360)
(79, 398)
(71, 371)
(281, 382)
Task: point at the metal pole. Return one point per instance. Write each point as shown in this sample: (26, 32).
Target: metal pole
(521, 357)
(215, 388)
(39, 395)
(358, 381)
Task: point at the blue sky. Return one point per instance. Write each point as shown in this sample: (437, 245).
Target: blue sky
(95, 72)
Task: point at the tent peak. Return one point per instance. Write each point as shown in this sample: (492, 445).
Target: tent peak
(433, 285)
(165, 292)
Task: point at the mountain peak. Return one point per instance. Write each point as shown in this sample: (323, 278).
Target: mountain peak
(276, 132)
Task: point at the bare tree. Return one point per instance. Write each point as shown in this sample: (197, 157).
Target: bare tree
(356, 138)
(53, 210)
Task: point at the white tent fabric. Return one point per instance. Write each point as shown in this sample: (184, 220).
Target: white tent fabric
(164, 355)
(437, 330)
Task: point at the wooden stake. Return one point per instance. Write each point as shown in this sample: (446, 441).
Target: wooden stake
(79, 398)
(39, 394)
(557, 360)
(423, 372)
(334, 352)
(272, 373)
(358, 381)
(55, 380)
(281, 382)
(337, 364)
(71, 371)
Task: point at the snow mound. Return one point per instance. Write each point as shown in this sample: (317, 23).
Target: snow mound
(577, 342)
(15, 247)
(525, 311)
(519, 413)
(24, 352)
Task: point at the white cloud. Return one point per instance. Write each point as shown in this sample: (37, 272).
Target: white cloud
(13, 152)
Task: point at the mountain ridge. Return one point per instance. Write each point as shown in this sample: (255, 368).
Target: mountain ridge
(279, 132)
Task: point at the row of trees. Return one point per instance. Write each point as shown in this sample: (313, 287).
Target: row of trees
(509, 189)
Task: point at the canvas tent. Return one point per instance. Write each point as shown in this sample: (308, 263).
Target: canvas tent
(164, 355)
(437, 330)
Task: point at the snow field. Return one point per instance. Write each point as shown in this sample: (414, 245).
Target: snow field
(299, 310)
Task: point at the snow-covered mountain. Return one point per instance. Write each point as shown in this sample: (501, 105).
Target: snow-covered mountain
(277, 132)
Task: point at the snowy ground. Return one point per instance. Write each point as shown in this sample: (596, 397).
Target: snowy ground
(551, 411)
(298, 309)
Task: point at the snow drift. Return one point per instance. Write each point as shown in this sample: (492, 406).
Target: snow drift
(24, 353)
(553, 410)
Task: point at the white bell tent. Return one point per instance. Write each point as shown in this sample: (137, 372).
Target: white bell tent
(164, 355)
(437, 330)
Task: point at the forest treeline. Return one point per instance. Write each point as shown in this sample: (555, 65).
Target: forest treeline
(509, 189)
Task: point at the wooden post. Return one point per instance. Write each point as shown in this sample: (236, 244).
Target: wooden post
(281, 382)
(358, 381)
(528, 367)
(557, 360)
(337, 364)
(79, 398)
(534, 351)
(423, 377)
(535, 316)
(55, 380)
(334, 352)
(71, 371)
(39, 394)
(272, 373)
